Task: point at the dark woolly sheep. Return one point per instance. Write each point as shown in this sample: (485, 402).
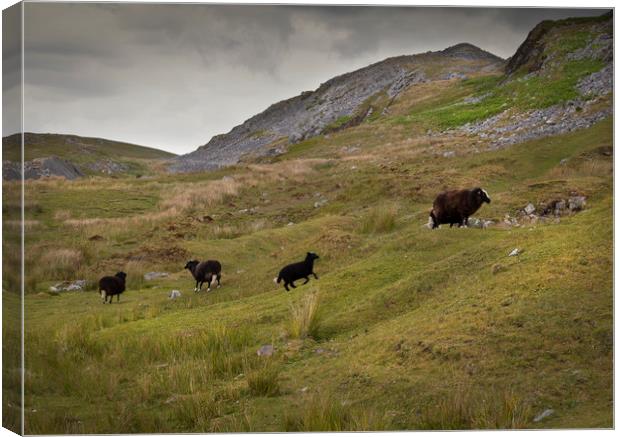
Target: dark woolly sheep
(295, 271)
(112, 285)
(455, 207)
(205, 271)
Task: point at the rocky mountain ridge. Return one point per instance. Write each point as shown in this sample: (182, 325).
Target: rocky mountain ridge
(349, 97)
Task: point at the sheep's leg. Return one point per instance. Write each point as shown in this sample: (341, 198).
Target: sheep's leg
(307, 280)
(315, 276)
(286, 286)
(292, 284)
(218, 280)
(196, 287)
(209, 284)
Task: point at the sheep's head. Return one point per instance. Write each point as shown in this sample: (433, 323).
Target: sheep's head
(311, 256)
(191, 265)
(482, 195)
(121, 275)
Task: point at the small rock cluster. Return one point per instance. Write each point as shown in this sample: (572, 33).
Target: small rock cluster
(506, 129)
(546, 211)
(107, 166)
(154, 275)
(77, 285)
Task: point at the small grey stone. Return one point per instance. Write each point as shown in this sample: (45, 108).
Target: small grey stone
(548, 412)
(529, 209)
(514, 252)
(175, 294)
(266, 350)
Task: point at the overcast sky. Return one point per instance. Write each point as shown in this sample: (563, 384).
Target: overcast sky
(172, 76)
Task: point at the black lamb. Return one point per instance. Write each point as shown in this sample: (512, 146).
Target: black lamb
(112, 285)
(203, 272)
(295, 271)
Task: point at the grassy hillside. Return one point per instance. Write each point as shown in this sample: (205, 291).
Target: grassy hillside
(82, 151)
(407, 328)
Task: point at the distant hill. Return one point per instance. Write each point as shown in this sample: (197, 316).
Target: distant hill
(341, 102)
(89, 155)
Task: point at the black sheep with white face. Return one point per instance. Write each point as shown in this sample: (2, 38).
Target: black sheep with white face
(206, 271)
(455, 207)
(292, 272)
(111, 286)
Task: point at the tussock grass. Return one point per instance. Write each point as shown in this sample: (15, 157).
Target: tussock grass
(469, 408)
(305, 319)
(323, 412)
(263, 381)
(60, 263)
(184, 197)
(379, 219)
(584, 168)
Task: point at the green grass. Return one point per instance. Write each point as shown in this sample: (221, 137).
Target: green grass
(400, 312)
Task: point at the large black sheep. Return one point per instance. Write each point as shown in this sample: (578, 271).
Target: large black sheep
(205, 272)
(292, 272)
(112, 285)
(455, 207)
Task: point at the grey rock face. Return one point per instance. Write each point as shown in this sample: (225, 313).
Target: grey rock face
(107, 166)
(42, 167)
(309, 113)
(11, 171)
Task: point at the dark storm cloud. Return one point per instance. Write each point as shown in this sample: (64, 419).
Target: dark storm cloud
(174, 75)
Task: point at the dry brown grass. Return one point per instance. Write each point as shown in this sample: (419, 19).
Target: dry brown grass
(185, 197)
(294, 169)
(60, 263)
(587, 168)
(28, 224)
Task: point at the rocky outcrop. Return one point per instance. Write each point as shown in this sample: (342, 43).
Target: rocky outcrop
(533, 53)
(41, 167)
(335, 101)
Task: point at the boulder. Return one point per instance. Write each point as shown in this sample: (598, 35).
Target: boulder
(576, 203)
